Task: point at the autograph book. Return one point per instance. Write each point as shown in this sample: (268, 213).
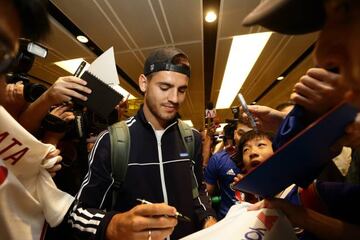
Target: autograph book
(103, 98)
(301, 159)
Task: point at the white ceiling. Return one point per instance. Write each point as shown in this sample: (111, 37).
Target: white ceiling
(136, 27)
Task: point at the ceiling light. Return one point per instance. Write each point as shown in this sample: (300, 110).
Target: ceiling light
(210, 16)
(280, 78)
(244, 51)
(71, 65)
(82, 39)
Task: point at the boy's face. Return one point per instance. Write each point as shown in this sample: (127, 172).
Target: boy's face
(255, 151)
(338, 44)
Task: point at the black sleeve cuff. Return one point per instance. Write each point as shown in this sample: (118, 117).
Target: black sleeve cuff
(101, 232)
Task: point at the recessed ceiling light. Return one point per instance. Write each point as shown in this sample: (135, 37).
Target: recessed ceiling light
(280, 78)
(244, 52)
(210, 16)
(82, 39)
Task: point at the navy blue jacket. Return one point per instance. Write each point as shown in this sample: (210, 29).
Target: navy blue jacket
(157, 171)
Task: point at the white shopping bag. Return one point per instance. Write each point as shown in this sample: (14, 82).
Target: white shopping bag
(240, 224)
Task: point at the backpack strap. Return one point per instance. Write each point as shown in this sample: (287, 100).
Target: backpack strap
(188, 139)
(120, 149)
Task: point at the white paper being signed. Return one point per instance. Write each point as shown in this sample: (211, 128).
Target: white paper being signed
(240, 224)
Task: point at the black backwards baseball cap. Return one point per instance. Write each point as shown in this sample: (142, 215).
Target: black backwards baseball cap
(162, 59)
(288, 16)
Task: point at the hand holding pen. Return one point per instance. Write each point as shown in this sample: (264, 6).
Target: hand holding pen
(177, 215)
(144, 221)
(266, 118)
(248, 113)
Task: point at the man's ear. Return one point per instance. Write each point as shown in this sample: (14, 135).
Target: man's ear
(143, 81)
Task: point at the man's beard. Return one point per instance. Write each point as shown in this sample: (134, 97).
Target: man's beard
(156, 111)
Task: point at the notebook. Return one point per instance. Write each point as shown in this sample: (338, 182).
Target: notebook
(103, 98)
(302, 158)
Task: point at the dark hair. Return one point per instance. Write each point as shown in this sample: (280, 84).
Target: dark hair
(33, 18)
(250, 135)
(180, 59)
(229, 131)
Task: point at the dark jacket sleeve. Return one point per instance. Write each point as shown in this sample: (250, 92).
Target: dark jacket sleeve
(202, 204)
(90, 213)
(341, 200)
(294, 122)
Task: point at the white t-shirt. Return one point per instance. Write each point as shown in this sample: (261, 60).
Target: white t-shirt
(28, 195)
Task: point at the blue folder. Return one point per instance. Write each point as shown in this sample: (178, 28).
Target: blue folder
(301, 159)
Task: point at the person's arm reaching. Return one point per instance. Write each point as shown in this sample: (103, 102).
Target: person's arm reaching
(324, 227)
(202, 204)
(143, 222)
(318, 91)
(63, 90)
(266, 118)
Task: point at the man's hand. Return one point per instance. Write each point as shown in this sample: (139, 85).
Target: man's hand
(266, 118)
(66, 88)
(296, 214)
(322, 226)
(64, 113)
(209, 222)
(237, 178)
(318, 91)
(57, 165)
(146, 221)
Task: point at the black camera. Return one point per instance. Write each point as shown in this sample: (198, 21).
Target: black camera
(22, 65)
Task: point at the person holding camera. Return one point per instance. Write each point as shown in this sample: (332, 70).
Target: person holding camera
(62, 91)
(28, 195)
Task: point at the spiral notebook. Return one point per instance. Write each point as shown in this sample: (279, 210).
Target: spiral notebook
(103, 98)
(302, 158)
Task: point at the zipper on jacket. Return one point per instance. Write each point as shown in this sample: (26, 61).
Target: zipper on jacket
(161, 166)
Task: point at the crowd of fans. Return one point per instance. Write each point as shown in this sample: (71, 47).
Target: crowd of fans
(81, 165)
